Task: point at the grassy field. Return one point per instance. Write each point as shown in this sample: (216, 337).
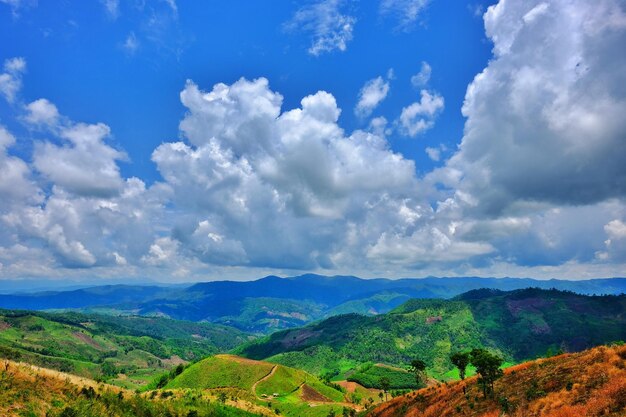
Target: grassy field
(222, 371)
(292, 392)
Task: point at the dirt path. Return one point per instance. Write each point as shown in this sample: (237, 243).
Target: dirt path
(265, 378)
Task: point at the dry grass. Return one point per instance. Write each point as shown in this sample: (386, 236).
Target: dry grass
(586, 384)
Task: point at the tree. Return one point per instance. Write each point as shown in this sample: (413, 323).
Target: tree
(385, 384)
(488, 368)
(460, 360)
(418, 367)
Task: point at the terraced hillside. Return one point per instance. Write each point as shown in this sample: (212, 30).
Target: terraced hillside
(257, 383)
(128, 351)
(585, 384)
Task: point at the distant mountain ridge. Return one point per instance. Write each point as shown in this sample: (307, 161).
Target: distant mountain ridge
(271, 303)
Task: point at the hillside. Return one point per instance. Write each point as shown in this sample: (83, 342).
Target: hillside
(128, 351)
(589, 383)
(256, 383)
(272, 303)
(35, 392)
(520, 325)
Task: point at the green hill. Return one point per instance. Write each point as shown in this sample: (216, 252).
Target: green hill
(128, 351)
(291, 391)
(519, 325)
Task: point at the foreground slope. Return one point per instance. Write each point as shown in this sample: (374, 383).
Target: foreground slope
(36, 392)
(589, 383)
(519, 325)
(124, 350)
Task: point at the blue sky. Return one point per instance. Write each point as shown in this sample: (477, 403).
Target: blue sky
(123, 155)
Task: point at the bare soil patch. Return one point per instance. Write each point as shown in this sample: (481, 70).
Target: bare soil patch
(309, 394)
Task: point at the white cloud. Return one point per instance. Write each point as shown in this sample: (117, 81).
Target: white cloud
(328, 27)
(41, 112)
(131, 44)
(405, 11)
(112, 8)
(531, 106)
(11, 78)
(420, 116)
(421, 78)
(433, 153)
(16, 185)
(85, 164)
(371, 95)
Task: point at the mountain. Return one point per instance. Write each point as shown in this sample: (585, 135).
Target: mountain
(128, 351)
(589, 383)
(283, 390)
(519, 325)
(105, 295)
(272, 303)
(33, 391)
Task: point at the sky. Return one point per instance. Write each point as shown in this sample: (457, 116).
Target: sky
(182, 141)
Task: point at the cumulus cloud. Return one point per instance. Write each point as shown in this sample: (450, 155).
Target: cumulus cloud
(16, 185)
(11, 78)
(545, 118)
(252, 185)
(251, 170)
(371, 95)
(84, 164)
(420, 116)
(41, 112)
(327, 26)
(405, 12)
(423, 76)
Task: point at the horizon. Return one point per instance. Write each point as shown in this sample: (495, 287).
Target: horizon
(32, 285)
(172, 142)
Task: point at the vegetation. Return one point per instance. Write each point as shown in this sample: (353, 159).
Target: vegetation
(487, 367)
(460, 360)
(125, 350)
(31, 392)
(370, 376)
(517, 325)
(418, 368)
(278, 387)
(590, 383)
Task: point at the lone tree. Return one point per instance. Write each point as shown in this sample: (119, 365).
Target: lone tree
(460, 360)
(385, 384)
(488, 368)
(418, 367)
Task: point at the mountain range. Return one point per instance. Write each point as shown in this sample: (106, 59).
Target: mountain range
(272, 303)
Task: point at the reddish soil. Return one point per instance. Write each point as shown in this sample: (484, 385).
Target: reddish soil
(435, 319)
(4, 325)
(348, 385)
(87, 339)
(309, 394)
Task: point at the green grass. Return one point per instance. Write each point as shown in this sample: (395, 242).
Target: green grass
(369, 376)
(221, 371)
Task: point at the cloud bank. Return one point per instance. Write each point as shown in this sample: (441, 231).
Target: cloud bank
(536, 186)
